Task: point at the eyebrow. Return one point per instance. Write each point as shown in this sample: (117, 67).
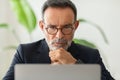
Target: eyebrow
(61, 25)
(67, 24)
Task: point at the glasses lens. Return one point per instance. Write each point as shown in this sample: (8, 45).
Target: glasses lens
(51, 30)
(67, 30)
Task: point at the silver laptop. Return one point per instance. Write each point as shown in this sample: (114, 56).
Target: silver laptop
(57, 72)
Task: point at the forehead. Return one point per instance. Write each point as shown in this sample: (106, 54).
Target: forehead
(58, 15)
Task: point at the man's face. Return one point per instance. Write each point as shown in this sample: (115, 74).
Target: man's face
(59, 27)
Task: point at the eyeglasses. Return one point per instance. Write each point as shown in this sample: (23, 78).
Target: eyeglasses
(66, 30)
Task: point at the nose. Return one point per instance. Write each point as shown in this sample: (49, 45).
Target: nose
(59, 34)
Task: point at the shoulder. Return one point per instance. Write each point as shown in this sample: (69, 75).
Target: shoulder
(28, 50)
(31, 46)
(87, 54)
(84, 49)
(33, 43)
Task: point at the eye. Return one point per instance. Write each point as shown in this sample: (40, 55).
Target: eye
(51, 26)
(67, 26)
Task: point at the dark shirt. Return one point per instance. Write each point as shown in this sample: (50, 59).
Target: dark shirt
(38, 52)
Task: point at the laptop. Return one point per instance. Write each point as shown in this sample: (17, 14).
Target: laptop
(57, 72)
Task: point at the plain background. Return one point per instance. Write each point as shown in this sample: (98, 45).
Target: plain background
(105, 13)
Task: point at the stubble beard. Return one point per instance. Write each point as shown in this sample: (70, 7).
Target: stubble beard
(51, 44)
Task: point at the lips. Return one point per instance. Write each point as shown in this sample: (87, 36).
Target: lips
(59, 44)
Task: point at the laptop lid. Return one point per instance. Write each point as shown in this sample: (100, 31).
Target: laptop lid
(57, 72)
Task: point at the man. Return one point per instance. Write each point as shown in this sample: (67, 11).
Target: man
(58, 25)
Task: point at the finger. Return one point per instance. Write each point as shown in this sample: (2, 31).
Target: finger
(53, 59)
(51, 53)
(55, 63)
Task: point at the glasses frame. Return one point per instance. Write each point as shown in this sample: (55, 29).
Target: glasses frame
(61, 29)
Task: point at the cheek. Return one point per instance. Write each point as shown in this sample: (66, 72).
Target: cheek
(49, 37)
(69, 37)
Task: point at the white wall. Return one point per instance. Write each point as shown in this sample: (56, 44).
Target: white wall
(105, 13)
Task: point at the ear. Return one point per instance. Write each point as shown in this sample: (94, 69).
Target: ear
(41, 25)
(76, 24)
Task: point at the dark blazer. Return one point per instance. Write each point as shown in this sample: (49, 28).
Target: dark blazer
(38, 52)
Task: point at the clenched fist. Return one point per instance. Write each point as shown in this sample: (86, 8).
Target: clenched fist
(61, 56)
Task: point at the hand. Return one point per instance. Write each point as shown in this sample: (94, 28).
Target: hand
(61, 56)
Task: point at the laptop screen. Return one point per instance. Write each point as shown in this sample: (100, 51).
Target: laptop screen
(57, 72)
